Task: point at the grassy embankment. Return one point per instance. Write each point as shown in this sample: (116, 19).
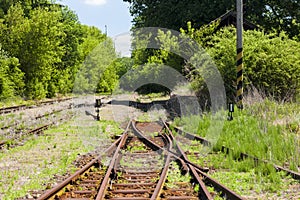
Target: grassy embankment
(267, 130)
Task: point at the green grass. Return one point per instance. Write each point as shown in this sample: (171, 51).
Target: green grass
(15, 101)
(254, 133)
(30, 167)
(175, 176)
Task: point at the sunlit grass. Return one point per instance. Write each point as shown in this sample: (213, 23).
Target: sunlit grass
(31, 166)
(250, 132)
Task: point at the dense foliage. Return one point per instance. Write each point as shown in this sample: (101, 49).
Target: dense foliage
(269, 14)
(272, 64)
(271, 55)
(43, 46)
(150, 65)
(10, 76)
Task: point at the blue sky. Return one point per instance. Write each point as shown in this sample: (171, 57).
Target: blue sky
(112, 13)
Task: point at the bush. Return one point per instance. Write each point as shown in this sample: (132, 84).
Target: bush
(11, 77)
(271, 63)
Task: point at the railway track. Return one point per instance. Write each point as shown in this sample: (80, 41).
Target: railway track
(35, 118)
(145, 163)
(34, 131)
(11, 109)
(198, 172)
(13, 131)
(188, 136)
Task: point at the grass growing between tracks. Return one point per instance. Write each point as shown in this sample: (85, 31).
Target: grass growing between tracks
(31, 166)
(266, 130)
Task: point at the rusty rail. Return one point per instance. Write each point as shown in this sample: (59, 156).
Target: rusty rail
(37, 130)
(142, 184)
(164, 172)
(104, 183)
(59, 187)
(30, 132)
(227, 150)
(5, 110)
(226, 192)
(204, 193)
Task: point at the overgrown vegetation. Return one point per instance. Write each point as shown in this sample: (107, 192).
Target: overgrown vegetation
(43, 48)
(269, 14)
(32, 166)
(246, 177)
(271, 63)
(263, 130)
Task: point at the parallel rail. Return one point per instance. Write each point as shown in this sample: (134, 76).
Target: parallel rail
(242, 156)
(62, 188)
(30, 132)
(138, 170)
(196, 171)
(11, 109)
(225, 191)
(33, 131)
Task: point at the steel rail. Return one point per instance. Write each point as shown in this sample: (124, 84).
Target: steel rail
(204, 192)
(226, 192)
(105, 180)
(67, 181)
(30, 132)
(164, 173)
(157, 187)
(227, 150)
(5, 110)
(160, 150)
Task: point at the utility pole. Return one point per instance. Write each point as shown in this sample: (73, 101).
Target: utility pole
(239, 58)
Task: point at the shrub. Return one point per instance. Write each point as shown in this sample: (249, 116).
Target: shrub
(11, 77)
(271, 62)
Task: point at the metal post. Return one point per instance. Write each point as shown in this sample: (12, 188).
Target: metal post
(239, 58)
(98, 106)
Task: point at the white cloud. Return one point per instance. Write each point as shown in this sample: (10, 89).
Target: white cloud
(123, 44)
(95, 2)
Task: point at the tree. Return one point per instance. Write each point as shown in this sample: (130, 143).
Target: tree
(271, 63)
(108, 80)
(174, 14)
(48, 44)
(275, 14)
(36, 42)
(27, 5)
(66, 70)
(11, 77)
(98, 53)
(149, 67)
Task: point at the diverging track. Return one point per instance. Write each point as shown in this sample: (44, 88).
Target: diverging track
(145, 163)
